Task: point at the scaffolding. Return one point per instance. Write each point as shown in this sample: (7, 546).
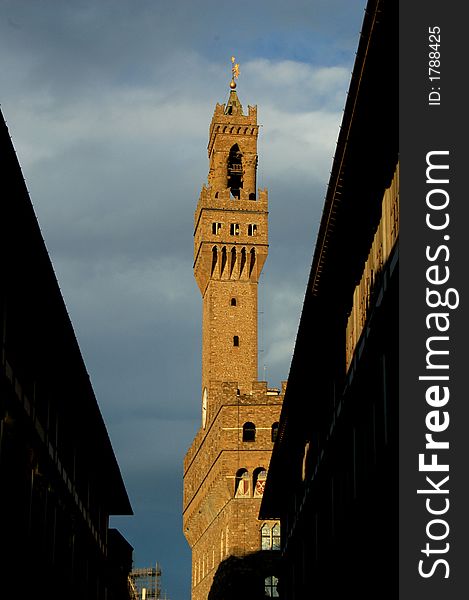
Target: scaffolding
(147, 583)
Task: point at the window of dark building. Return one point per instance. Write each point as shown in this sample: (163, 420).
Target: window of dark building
(276, 537)
(265, 537)
(270, 536)
(270, 587)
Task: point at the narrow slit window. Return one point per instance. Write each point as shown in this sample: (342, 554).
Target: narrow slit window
(233, 302)
(274, 431)
(236, 340)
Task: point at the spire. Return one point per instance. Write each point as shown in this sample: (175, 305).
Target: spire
(233, 106)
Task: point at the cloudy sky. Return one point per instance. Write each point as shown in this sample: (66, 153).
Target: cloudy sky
(108, 103)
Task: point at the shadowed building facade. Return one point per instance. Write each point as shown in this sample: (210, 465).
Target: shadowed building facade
(333, 478)
(59, 478)
(226, 466)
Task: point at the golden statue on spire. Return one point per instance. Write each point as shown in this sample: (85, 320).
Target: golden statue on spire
(234, 73)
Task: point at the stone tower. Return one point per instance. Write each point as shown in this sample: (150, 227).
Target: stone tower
(226, 466)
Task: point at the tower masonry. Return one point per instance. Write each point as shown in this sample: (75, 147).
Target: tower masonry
(230, 247)
(226, 466)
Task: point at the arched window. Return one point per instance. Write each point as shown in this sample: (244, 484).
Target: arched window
(274, 431)
(249, 432)
(258, 480)
(233, 302)
(242, 484)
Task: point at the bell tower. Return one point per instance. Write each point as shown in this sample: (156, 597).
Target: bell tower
(230, 247)
(226, 466)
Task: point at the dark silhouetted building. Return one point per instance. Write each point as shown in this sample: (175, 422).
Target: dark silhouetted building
(333, 477)
(59, 479)
(250, 577)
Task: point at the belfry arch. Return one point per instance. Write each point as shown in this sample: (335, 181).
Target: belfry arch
(235, 171)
